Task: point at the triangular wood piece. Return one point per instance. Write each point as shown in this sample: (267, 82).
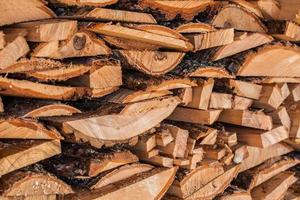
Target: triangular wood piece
(270, 97)
(52, 110)
(97, 3)
(211, 72)
(220, 101)
(195, 28)
(291, 32)
(18, 154)
(22, 11)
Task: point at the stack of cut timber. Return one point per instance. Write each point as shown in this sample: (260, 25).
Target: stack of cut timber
(150, 99)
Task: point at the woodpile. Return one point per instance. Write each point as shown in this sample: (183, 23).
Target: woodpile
(150, 99)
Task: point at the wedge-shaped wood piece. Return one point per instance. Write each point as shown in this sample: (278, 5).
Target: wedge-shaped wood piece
(186, 9)
(247, 118)
(195, 180)
(48, 30)
(150, 185)
(2, 40)
(26, 129)
(248, 6)
(252, 40)
(52, 110)
(265, 171)
(281, 116)
(163, 137)
(23, 88)
(211, 39)
(81, 44)
(270, 98)
(20, 184)
(21, 11)
(158, 160)
(241, 103)
(111, 128)
(211, 72)
(195, 28)
(18, 154)
(195, 116)
(291, 32)
(259, 138)
(295, 125)
(14, 50)
(228, 138)
(220, 101)
(216, 186)
(104, 14)
(152, 62)
(275, 188)
(232, 16)
(240, 153)
(141, 36)
(295, 92)
(245, 89)
(214, 153)
(260, 155)
(83, 3)
(121, 173)
(146, 143)
(254, 65)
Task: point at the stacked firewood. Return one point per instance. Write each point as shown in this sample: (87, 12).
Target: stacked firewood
(149, 99)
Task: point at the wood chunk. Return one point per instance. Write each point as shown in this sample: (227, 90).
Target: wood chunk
(190, 147)
(177, 148)
(152, 62)
(228, 138)
(246, 118)
(14, 50)
(248, 6)
(254, 65)
(295, 91)
(241, 103)
(197, 27)
(295, 125)
(215, 154)
(23, 88)
(81, 44)
(98, 3)
(146, 143)
(232, 16)
(202, 94)
(159, 161)
(52, 110)
(211, 72)
(274, 188)
(236, 196)
(252, 40)
(18, 154)
(22, 11)
(220, 101)
(211, 39)
(285, 91)
(48, 30)
(291, 32)
(122, 173)
(2, 40)
(164, 137)
(195, 180)
(26, 129)
(195, 116)
(245, 89)
(194, 159)
(259, 155)
(141, 36)
(240, 153)
(270, 98)
(259, 138)
(210, 139)
(146, 155)
(281, 116)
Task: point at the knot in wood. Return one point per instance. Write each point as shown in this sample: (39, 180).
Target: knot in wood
(79, 42)
(160, 56)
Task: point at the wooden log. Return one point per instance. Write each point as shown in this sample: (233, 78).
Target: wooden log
(295, 91)
(14, 50)
(141, 36)
(195, 116)
(285, 91)
(197, 27)
(228, 138)
(291, 32)
(245, 89)
(159, 161)
(241, 103)
(48, 30)
(215, 154)
(220, 101)
(210, 139)
(232, 16)
(250, 41)
(81, 44)
(281, 116)
(211, 39)
(146, 143)
(275, 188)
(52, 110)
(146, 155)
(295, 125)
(246, 118)
(211, 72)
(248, 6)
(101, 3)
(26, 129)
(2, 40)
(18, 154)
(270, 98)
(164, 137)
(20, 11)
(186, 96)
(240, 153)
(194, 159)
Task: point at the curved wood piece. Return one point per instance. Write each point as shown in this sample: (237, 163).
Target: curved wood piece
(211, 72)
(187, 9)
(192, 27)
(22, 11)
(20, 184)
(249, 6)
(236, 196)
(52, 110)
(281, 61)
(232, 16)
(26, 129)
(81, 44)
(121, 173)
(83, 3)
(152, 62)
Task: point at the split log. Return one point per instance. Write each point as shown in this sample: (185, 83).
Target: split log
(295, 91)
(81, 44)
(211, 72)
(195, 116)
(210, 139)
(21, 11)
(13, 50)
(270, 98)
(250, 41)
(186, 9)
(240, 153)
(281, 117)
(228, 138)
(132, 121)
(186, 96)
(195, 28)
(248, 6)
(163, 137)
(232, 16)
(23, 88)
(220, 101)
(18, 154)
(211, 39)
(48, 30)
(214, 153)
(236, 196)
(135, 187)
(146, 143)
(291, 32)
(141, 36)
(80, 3)
(246, 118)
(19, 184)
(295, 125)
(275, 188)
(152, 62)
(254, 65)
(159, 161)
(2, 40)
(254, 177)
(245, 89)
(241, 103)
(52, 110)
(259, 155)
(26, 129)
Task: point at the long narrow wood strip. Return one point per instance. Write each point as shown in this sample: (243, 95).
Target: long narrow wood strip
(97, 3)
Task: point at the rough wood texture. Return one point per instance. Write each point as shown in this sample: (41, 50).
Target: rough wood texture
(195, 28)
(82, 3)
